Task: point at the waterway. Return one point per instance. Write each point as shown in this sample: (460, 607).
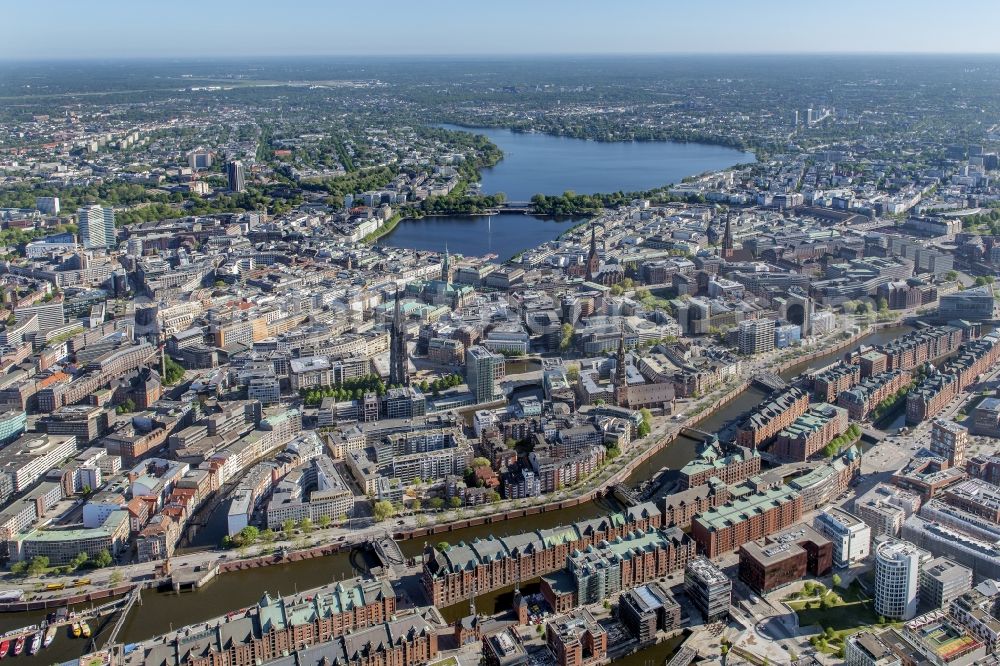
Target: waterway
(503, 235)
(545, 164)
(161, 611)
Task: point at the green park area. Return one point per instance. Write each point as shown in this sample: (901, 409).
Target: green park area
(838, 612)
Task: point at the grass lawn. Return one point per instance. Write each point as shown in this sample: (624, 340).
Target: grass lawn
(447, 661)
(848, 611)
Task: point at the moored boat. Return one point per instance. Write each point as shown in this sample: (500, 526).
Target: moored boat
(85, 628)
(50, 635)
(75, 629)
(4, 648)
(36, 643)
(19, 645)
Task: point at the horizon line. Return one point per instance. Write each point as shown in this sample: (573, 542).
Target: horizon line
(493, 56)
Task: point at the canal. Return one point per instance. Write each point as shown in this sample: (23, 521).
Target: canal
(161, 611)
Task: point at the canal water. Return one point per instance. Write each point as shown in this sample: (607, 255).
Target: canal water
(161, 611)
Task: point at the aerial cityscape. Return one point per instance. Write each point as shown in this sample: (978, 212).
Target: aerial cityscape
(410, 350)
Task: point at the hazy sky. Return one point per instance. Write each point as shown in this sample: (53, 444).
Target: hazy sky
(53, 29)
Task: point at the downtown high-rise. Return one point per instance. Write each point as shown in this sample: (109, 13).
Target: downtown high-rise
(96, 227)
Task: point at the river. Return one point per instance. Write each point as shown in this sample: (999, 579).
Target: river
(161, 611)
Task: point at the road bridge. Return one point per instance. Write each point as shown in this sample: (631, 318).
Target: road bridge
(768, 381)
(624, 494)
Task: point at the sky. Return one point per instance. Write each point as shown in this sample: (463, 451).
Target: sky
(75, 29)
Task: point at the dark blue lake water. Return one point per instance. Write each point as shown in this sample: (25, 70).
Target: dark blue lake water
(476, 235)
(540, 163)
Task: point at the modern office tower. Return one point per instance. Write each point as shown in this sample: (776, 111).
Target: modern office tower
(897, 572)
(96, 227)
(941, 581)
(399, 372)
(483, 369)
(949, 440)
(850, 535)
(647, 609)
(756, 336)
(237, 176)
(47, 205)
(974, 304)
(49, 315)
(710, 590)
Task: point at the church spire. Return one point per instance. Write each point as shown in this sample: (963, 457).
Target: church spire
(398, 358)
(727, 238)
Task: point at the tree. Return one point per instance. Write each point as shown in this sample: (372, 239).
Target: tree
(383, 509)
(103, 559)
(267, 535)
(248, 535)
(288, 527)
(435, 503)
(647, 422)
(566, 340)
(416, 505)
(836, 580)
(19, 568)
(324, 521)
(480, 462)
(455, 502)
(116, 577)
(442, 546)
(175, 372)
(38, 565)
(306, 525)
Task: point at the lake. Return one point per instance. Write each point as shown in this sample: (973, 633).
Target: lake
(541, 163)
(477, 235)
(546, 164)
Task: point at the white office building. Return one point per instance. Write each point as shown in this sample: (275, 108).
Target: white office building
(897, 575)
(96, 226)
(850, 536)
